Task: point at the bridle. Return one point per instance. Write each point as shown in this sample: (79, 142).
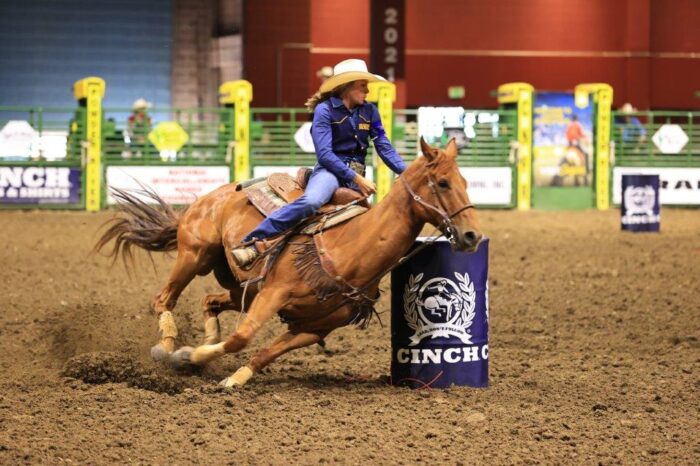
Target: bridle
(446, 226)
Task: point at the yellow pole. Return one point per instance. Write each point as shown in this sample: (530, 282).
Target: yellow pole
(603, 97)
(384, 94)
(521, 94)
(239, 94)
(92, 89)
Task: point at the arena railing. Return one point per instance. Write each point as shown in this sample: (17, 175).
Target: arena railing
(635, 151)
(209, 132)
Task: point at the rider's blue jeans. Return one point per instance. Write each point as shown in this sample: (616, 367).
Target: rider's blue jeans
(319, 191)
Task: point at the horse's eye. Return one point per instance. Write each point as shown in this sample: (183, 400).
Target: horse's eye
(444, 184)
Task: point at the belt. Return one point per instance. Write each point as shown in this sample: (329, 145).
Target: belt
(357, 167)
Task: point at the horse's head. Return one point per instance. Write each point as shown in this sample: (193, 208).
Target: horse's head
(440, 195)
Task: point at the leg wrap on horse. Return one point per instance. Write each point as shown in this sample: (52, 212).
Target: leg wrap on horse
(166, 325)
(212, 331)
(240, 377)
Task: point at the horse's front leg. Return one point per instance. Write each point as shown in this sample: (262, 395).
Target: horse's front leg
(298, 336)
(212, 305)
(265, 305)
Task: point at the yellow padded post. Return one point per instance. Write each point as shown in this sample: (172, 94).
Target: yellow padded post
(239, 94)
(521, 94)
(602, 97)
(384, 94)
(92, 89)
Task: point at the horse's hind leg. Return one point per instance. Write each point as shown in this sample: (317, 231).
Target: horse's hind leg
(186, 268)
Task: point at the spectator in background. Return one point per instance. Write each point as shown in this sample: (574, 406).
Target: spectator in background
(632, 131)
(139, 123)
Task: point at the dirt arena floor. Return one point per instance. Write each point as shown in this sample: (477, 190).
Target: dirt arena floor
(594, 359)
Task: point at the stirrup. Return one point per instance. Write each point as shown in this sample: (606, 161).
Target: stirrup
(245, 256)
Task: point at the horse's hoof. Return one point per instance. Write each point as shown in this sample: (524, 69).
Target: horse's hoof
(181, 360)
(229, 383)
(159, 354)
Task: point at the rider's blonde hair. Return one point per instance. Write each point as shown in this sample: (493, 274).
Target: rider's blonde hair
(313, 101)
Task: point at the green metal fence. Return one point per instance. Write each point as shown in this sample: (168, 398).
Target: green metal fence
(273, 144)
(633, 137)
(210, 131)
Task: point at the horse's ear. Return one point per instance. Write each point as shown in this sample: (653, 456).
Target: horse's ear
(451, 148)
(426, 149)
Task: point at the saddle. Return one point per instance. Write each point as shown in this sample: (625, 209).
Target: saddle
(270, 193)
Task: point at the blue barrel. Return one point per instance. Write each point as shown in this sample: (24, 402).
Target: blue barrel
(439, 318)
(640, 210)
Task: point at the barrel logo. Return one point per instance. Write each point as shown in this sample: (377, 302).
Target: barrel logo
(640, 200)
(439, 307)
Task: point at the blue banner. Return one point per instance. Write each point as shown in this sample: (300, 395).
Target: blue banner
(640, 209)
(439, 318)
(34, 185)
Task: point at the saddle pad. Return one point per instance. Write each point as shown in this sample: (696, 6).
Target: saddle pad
(285, 186)
(263, 197)
(271, 193)
(332, 219)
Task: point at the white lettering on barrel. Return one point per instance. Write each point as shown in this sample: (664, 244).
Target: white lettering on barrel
(485, 352)
(471, 353)
(433, 355)
(439, 355)
(452, 355)
(415, 356)
(402, 355)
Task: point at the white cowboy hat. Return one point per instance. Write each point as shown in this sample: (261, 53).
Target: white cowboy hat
(627, 108)
(346, 71)
(140, 103)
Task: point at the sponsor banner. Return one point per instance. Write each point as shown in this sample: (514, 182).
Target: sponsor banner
(562, 141)
(677, 186)
(39, 185)
(175, 185)
(489, 185)
(439, 318)
(640, 203)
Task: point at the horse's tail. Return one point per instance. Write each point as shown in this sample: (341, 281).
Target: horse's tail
(152, 228)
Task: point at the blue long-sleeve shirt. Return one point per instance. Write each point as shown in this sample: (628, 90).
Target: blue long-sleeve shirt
(341, 136)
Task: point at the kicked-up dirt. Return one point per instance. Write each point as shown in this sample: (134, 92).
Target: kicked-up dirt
(594, 359)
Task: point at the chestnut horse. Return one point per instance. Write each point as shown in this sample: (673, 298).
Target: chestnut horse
(431, 190)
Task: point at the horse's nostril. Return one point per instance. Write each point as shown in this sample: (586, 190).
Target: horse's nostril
(471, 236)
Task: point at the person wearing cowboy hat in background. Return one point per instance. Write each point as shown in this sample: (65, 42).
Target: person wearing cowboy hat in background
(343, 125)
(632, 131)
(139, 124)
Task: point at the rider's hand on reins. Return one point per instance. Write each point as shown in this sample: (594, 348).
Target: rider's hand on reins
(365, 185)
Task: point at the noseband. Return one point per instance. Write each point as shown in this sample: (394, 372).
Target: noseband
(449, 226)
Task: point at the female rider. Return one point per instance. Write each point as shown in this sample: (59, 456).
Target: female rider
(343, 125)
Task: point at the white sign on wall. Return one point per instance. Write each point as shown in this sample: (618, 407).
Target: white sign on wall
(175, 185)
(679, 186)
(489, 185)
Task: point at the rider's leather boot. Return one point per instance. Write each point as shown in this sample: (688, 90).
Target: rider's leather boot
(245, 256)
